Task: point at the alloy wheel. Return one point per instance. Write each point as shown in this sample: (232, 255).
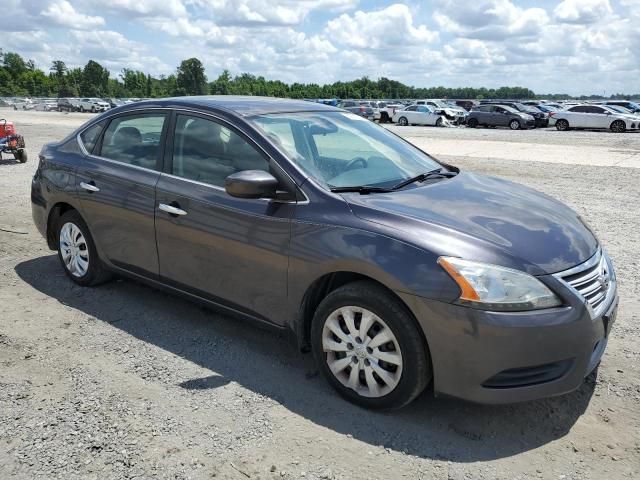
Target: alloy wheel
(74, 250)
(362, 352)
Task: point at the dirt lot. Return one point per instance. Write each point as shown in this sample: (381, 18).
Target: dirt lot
(122, 381)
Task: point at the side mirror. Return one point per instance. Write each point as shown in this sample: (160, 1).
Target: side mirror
(251, 184)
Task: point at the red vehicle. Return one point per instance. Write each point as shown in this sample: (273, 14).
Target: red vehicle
(11, 142)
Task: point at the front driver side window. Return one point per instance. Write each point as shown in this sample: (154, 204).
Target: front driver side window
(207, 151)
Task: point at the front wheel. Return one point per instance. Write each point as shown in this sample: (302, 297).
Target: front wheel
(402, 121)
(472, 123)
(514, 125)
(439, 122)
(368, 347)
(77, 251)
(618, 126)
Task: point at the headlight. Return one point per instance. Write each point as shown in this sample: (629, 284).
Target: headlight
(492, 287)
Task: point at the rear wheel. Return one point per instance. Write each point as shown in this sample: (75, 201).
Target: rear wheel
(618, 126)
(77, 251)
(384, 117)
(402, 121)
(562, 125)
(472, 123)
(81, 108)
(514, 124)
(21, 155)
(368, 347)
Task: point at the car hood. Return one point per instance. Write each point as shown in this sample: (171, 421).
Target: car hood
(485, 219)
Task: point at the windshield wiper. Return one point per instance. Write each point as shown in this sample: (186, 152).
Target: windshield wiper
(361, 189)
(424, 176)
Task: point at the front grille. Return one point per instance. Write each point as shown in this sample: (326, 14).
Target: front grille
(594, 280)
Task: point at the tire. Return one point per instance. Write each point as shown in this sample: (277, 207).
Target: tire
(73, 234)
(472, 123)
(514, 124)
(562, 125)
(439, 122)
(384, 117)
(93, 109)
(403, 381)
(402, 121)
(618, 126)
(15, 108)
(21, 155)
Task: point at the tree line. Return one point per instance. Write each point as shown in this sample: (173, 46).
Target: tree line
(20, 77)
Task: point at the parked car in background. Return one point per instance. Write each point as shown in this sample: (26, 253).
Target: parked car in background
(23, 104)
(388, 110)
(596, 117)
(450, 111)
(548, 109)
(634, 107)
(541, 118)
(355, 106)
(114, 102)
(93, 105)
(418, 115)
(68, 105)
(375, 106)
(46, 105)
(499, 116)
(468, 105)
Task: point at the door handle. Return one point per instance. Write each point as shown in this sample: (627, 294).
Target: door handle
(171, 210)
(89, 187)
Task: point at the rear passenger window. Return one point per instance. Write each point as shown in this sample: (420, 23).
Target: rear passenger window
(90, 136)
(134, 139)
(207, 151)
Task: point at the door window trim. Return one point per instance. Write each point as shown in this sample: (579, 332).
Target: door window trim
(168, 154)
(110, 118)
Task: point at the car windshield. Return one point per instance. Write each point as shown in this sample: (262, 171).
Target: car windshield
(340, 149)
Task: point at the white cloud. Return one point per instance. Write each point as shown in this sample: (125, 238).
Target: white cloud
(379, 29)
(268, 12)
(62, 13)
(582, 11)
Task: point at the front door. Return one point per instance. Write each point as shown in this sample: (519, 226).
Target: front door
(116, 185)
(229, 250)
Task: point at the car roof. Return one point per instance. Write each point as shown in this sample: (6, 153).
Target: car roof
(240, 105)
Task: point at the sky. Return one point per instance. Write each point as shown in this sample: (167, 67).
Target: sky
(560, 46)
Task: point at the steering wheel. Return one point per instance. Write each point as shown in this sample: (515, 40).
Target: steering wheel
(353, 162)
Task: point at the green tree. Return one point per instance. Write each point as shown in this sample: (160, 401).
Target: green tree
(94, 81)
(190, 78)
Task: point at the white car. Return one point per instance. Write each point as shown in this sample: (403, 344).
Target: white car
(453, 113)
(93, 105)
(595, 116)
(418, 115)
(23, 104)
(46, 106)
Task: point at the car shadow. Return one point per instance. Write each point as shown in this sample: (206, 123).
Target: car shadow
(9, 161)
(268, 363)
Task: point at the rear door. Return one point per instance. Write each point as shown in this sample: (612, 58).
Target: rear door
(578, 117)
(411, 113)
(116, 186)
(229, 250)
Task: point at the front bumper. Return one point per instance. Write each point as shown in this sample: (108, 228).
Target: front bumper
(500, 357)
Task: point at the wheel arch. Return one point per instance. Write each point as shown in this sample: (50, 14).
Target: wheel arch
(55, 213)
(323, 286)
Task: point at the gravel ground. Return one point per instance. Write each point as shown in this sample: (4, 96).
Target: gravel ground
(123, 381)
